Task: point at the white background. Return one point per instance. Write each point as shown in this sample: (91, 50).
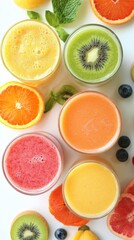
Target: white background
(13, 202)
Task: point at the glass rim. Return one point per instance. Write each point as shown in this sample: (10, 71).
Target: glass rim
(93, 82)
(108, 167)
(30, 79)
(110, 143)
(36, 191)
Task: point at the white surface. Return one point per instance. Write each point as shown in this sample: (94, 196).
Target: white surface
(13, 202)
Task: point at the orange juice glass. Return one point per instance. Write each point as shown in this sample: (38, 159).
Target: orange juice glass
(31, 51)
(91, 189)
(90, 122)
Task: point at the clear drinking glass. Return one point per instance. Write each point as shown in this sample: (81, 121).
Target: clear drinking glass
(93, 54)
(32, 163)
(90, 122)
(31, 51)
(91, 188)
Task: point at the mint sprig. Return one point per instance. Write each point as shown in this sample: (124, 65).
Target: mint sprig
(53, 20)
(66, 10)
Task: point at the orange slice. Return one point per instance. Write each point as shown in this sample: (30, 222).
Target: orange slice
(59, 210)
(20, 106)
(113, 11)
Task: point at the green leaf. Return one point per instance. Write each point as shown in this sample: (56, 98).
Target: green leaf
(66, 10)
(65, 93)
(49, 104)
(63, 35)
(34, 15)
(52, 19)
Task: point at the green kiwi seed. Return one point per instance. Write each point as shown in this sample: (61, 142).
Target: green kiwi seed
(29, 225)
(94, 55)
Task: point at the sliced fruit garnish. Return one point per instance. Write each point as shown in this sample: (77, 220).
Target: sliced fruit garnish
(29, 225)
(113, 11)
(20, 106)
(121, 220)
(130, 187)
(60, 211)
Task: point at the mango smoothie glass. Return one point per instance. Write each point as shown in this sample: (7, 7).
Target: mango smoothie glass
(31, 52)
(90, 122)
(33, 162)
(93, 54)
(91, 189)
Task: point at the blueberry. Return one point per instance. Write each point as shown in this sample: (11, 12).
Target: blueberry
(124, 141)
(125, 90)
(60, 233)
(122, 155)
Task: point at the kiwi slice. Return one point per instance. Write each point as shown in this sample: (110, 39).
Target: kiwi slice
(65, 93)
(132, 71)
(29, 225)
(93, 53)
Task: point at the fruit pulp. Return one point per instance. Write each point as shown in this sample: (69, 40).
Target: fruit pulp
(31, 52)
(89, 122)
(92, 66)
(32, 163)
(123, 215)
(91, 189)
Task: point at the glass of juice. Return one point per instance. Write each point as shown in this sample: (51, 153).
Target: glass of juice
(31, 52)
(32, 163)
(93, 54)
(91, 188)
(89, 122)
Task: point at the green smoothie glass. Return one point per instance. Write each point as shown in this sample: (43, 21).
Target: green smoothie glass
(93, 54)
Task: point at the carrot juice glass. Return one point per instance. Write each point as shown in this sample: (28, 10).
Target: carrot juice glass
(32, 163)
(91, 189)
(90, 122)
(31, 51)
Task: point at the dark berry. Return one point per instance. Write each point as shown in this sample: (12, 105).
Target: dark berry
(60, 233)
(133, 160)
(122, 155)
(125, 90)
(124, 141)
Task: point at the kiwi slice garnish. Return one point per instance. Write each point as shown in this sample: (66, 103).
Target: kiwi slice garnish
(29, 226)
(65, 92)
(132, 71)
(94, 55)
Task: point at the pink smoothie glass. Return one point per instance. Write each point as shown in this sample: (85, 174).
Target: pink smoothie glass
(32, 163)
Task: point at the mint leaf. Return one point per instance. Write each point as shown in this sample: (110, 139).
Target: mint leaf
(66, 10)
(52, 19)
(34, 15)
(63, 35)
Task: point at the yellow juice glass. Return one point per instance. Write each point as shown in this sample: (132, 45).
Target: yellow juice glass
(31, 51)
(91, 188)
(90, 122)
